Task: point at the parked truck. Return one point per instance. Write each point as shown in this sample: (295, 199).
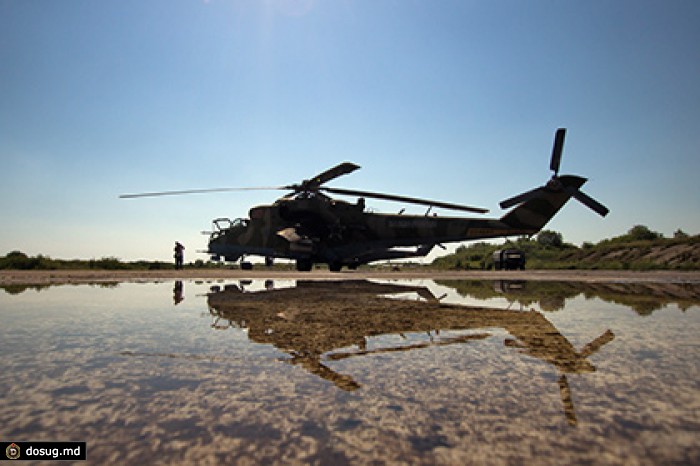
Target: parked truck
(509, 259)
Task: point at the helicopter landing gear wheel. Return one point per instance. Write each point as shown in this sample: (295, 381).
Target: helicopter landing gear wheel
(304, 265)
(335, 266)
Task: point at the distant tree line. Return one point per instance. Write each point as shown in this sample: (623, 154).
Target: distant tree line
(548, 250)
(18, 260)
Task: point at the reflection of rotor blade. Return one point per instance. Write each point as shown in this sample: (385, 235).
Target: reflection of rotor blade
(313, 364)
(412, 200)
(392, 349)
(565, 391)
(330, 174)
(556, 150)
(520, 198)
(196, 191)
(598, 343)
(589, 202)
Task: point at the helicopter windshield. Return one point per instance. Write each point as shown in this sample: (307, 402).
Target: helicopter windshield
(226, 224)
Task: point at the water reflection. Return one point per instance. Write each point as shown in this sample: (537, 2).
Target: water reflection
(264, 372)
(643, 298)
(15, 289)
(178, 292)
(320, 321)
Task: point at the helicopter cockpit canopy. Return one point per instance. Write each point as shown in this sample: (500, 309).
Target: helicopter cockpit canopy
(226, 223)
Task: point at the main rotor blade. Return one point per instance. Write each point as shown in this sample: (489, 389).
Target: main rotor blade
(520, 198)
(330, 174)
(412, 200)
(557, 149)
(196, 191)
(591, 203)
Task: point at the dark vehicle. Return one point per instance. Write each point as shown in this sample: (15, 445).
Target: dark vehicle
(509, 259)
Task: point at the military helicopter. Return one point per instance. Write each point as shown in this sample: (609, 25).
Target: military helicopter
(308, 226)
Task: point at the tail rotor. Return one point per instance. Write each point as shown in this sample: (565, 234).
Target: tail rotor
(558, 184)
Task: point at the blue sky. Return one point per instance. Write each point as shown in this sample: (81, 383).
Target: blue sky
(450, 100)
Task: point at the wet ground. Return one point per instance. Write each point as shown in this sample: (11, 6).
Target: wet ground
(356, 371)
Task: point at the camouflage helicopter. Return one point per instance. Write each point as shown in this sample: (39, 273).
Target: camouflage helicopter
(308, 226)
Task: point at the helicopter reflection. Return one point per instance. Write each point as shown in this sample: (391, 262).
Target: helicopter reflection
(319, 321)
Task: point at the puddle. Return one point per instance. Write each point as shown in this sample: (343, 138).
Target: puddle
(420, 372)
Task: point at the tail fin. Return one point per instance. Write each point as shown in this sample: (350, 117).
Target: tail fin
(538, 205)
(542, 204)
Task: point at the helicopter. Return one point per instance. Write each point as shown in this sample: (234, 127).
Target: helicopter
(308, 226)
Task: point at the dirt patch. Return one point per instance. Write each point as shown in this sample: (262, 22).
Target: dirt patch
(48, 277)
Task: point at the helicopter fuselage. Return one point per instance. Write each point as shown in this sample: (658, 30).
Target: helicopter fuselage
(317, 229)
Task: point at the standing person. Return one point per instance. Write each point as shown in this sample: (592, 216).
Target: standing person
(179, 255)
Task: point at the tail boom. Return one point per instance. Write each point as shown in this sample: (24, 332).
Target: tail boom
(533, 214)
